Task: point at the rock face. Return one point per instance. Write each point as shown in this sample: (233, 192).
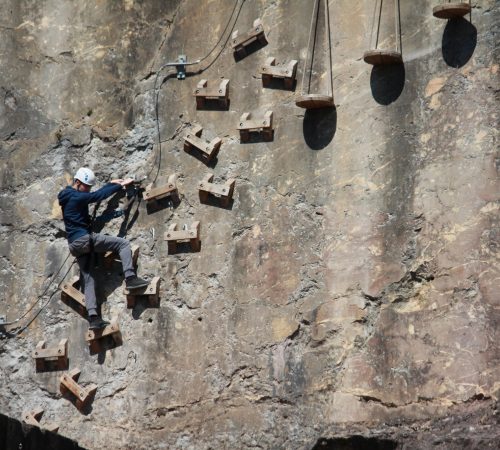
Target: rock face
(347, 298)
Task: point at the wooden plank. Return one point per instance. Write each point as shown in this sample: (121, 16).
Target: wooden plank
(242, 40)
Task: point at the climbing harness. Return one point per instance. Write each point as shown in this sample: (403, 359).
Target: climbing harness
(307, 99)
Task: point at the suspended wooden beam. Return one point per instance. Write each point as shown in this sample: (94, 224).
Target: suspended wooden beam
(451, 10)
(376, 56)
(307, 98)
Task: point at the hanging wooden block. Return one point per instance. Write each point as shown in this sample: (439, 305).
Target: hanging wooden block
(112, 257)
(152, 194)
(33, 418)
(451, 10)
(263, 125)
(224, 192)
(105, 338)
(240, 42)
(208, 91)
(71, 296)
(314, 94)
(191, 235)
(286, 72)
(376, 56)
(53, 358)
(382, 57)
(205, 150)
(69, 384)
(151, 293)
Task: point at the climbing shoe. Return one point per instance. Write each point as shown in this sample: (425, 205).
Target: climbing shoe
(96, 323)
(135, 283)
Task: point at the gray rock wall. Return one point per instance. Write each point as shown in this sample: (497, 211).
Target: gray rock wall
(352, 286)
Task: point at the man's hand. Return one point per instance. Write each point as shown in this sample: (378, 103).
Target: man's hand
(123, 182)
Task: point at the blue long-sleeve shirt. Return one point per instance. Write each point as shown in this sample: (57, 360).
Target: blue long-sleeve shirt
(75, 207)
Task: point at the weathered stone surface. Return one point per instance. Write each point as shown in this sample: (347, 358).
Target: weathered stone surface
(350, 289)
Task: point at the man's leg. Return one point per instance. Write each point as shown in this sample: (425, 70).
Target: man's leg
(84, 262)
(81, 250)
(104, 243)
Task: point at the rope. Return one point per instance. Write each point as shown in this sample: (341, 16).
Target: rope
(306, 69)
(40, 297)
(373, 23)
(378, 25)
(329, 40)
(397, 19)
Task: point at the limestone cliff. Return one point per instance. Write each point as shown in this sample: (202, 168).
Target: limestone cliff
(351, 288)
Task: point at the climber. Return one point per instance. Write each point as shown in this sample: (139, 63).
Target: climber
(74, 201)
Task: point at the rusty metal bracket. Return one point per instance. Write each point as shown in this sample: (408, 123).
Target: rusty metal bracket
(151, 194)
(151, 293)
(224, 192)
(207, 91)
(191, 235)
(286, 72)
(33, 418)
(71, 296)
(263, 125)
(193, 143)
(69, 384)
(240, 43)
(51, 358)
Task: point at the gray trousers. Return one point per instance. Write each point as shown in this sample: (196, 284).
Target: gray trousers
(80, 248)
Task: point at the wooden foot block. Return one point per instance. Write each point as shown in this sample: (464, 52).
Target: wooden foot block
(71, 296)
(33, 418)
(191, 235)
(69, 385)
(240, 42)
(53, 358)
(105, 338)
(151, 293)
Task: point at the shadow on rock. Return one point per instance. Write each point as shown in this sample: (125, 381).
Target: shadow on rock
(319, 127)
(387, 82)
(459, 42)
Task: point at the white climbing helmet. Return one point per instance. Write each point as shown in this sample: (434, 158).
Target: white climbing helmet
(85, 175)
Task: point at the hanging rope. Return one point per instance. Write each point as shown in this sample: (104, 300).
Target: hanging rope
(397, 20)
(329, 42)
(312, 30)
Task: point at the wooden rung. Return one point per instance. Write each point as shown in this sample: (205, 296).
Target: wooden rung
(43, 355)
(286, 72)
(33, 418)
(239, 42)
(109, 330)
(263, 125)
(174, 236)
(151, 292)
(70, 294)
(68, 383)
(159, 192)
(249, 123)
(105, 338)
(451, 10)
(210, 91)
(207, 150)
(223, 191)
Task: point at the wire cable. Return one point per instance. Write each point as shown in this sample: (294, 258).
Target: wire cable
(20, 330)
(199, 61)
(41, 295)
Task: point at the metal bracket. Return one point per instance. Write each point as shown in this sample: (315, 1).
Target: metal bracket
(181, 67)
